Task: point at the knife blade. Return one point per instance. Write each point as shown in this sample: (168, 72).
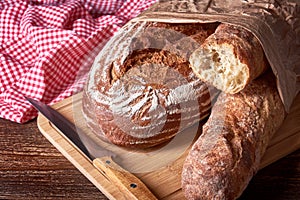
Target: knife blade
(130, 185)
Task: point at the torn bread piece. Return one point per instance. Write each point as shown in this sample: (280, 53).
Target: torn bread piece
(229, 59)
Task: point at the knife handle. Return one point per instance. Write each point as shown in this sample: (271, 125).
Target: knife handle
(124, 180)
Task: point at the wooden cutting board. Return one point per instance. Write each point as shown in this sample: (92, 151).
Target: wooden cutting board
(165, 176)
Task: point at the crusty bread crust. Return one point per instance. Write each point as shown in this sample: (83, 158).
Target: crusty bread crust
(229, 59)
(144, 98)
(227, 154)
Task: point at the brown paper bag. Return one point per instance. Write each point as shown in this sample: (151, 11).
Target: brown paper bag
(275, 23)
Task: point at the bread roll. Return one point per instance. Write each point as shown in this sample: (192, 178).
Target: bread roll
(229, 59)
(148, 92)
(227, 154)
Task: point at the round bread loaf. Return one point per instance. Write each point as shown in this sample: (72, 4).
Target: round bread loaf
(141, 90)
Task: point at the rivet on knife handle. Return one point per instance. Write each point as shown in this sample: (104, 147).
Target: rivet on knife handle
(123, 179)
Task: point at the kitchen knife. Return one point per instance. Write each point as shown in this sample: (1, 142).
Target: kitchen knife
(101, 158)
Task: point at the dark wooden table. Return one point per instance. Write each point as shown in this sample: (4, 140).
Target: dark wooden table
(31, 168)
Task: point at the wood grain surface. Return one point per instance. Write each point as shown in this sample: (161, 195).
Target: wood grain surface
(32, 168)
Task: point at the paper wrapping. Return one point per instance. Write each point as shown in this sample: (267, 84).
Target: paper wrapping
(276, 24)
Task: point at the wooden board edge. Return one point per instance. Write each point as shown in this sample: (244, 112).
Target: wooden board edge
(78, 159)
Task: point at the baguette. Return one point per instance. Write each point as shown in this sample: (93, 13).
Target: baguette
(229, 59)
(228, 152)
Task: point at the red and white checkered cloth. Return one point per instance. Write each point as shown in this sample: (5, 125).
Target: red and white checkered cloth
(45, 44)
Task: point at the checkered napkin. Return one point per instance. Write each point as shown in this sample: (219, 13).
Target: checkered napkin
(47, 47)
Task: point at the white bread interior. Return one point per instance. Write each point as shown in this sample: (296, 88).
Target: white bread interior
(219, 66)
